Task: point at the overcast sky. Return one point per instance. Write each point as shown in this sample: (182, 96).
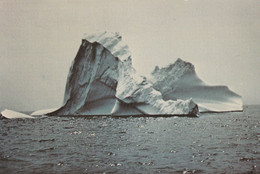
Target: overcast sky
(39, 39)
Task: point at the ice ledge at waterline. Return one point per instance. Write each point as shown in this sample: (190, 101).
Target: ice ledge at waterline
(13, 114)
(102, 81)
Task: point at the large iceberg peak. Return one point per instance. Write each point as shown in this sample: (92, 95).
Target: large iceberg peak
(93, 75)
(111, 41)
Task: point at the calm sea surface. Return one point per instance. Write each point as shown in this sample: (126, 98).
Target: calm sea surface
(213, 143)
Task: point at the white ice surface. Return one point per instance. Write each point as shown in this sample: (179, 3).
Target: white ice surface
(13, 114)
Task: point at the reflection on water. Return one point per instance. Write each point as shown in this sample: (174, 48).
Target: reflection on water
(213, 143)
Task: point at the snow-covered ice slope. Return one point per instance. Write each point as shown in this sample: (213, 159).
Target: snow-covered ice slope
(95, 86)
(180, 81)
(112, 42)
(13, 114)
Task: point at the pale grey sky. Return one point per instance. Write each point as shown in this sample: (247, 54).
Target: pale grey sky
(39, 39)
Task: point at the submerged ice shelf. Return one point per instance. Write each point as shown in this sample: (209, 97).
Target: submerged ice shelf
(102, 81)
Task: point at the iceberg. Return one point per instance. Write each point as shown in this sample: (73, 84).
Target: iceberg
(102, 81)
(13, 114)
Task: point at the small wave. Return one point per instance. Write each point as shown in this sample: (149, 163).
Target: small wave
(40, 141)
(45, 150)
(68, 127)
(246, 159)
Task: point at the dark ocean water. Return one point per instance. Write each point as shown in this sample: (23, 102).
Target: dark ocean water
(213, 143)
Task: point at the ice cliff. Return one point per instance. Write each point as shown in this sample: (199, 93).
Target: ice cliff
(102, 81)
(92, 79)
